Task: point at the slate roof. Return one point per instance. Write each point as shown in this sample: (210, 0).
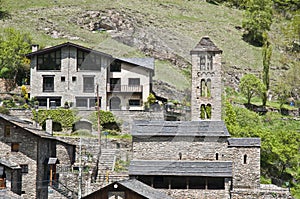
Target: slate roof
(144, 62)
(135, 186)
(66, 44)
(181, 168)
(143, 189)
(142, 128)
(244, 142)
(30, 128)
(206, 45)
(9, 164)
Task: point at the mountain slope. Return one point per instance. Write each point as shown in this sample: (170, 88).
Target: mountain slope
(164, 29)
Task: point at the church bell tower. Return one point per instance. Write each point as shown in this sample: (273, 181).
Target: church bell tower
(206, 98)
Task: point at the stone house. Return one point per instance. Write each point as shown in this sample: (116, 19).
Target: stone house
(198, 158)
(69, 74)
(29, 157)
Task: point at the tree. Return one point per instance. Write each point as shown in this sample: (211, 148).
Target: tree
(250, 86)
(257, 20)
(230, 118)
(267, 53)
(282, 92)
(14, 67)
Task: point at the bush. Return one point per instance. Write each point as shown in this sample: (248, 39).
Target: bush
(4, 110)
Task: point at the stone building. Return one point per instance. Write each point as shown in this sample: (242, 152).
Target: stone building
(29, 157)
(198, 158)
(68, 74)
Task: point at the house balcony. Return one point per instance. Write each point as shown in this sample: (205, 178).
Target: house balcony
(124, 88)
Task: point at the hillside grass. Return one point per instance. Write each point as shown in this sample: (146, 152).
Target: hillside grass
(185, 22)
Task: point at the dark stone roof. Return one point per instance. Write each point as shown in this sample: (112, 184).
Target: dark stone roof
(31, 128)
(45, 50)
(180, 168)
(143, 189)
(9, 164)
(244, 142)
(206, 45)
(144, 62)
(143, 128)
(135, 186)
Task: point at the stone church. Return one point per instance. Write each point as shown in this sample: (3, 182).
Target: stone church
(198, 158)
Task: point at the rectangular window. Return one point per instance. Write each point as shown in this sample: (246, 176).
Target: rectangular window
(133, 102)
(81, 102)
(115, 84)
(24, 168)
(49, 61)
(7, 131)
(115, 66)
(15, 147)
(62, 78)
(48, 83)
(73, 79)
(134, 81)
(88, 60)
(88, 84)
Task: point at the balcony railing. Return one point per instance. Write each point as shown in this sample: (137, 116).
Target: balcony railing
(124, 88)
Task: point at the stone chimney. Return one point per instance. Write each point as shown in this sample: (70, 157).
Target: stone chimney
(49, 126)
(34, 47)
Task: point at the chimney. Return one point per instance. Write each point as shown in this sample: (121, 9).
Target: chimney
(49, 126)
(34, 47)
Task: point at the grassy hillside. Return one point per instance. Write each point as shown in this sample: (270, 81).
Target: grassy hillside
(168, 28)
(180, 24)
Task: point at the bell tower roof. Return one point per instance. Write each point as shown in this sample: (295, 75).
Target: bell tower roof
(206, 45)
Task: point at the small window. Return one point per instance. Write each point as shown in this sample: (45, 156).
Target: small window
(245, 159)
(88, 84)
(217, 156)
(15, 147)
(134, 102)
(134, 81)
(115, 66)
(7, 131)
(24, 168)
(62, 78)
(48, 84)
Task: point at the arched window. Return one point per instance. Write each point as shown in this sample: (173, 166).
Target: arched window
(203, 87)
(245, 159)
(208, 111)
(202, 112)
(208, 88)
(209, 62)
(202, 62)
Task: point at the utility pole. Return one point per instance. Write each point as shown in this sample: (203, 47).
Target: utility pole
(99, 133)
(80, 172)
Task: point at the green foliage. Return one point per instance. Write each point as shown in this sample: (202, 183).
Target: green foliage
(230, 118)
(107, 120)
(279, 145)
(151, 98)
(14, 67)
(121, 165)
(266, 53)
(282, 92)
(65, 117)
(250, 86)
(24, 92)
(257, 20)
(4, 110)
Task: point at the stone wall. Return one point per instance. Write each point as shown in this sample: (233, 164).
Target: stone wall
(214, 76)
(27, 155)
(197, 193)
(205, 151)
(245, 175)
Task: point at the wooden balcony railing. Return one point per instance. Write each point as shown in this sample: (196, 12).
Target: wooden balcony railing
(124, 88)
